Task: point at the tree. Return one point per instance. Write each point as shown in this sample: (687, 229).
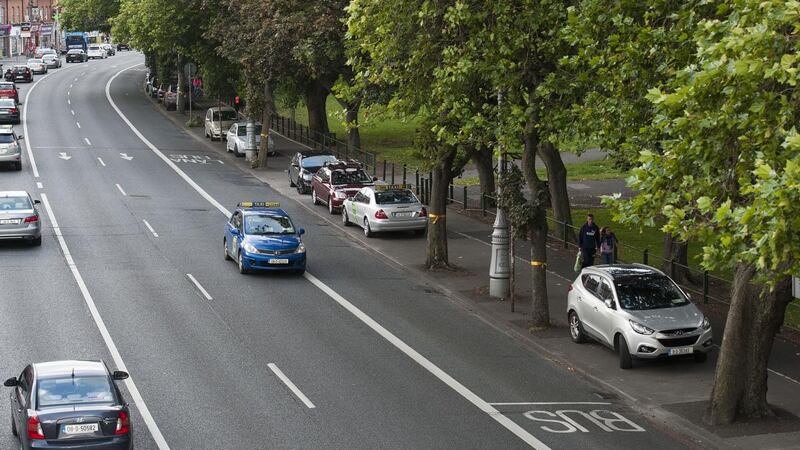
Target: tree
(88, 15)
(728, 175)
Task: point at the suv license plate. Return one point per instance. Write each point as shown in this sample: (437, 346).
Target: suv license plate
(681, 351)
(81, 428)
(279, 261)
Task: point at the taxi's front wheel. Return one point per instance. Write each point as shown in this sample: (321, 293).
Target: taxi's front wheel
(225, 250)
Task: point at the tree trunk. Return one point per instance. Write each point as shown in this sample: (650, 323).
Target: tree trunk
(677, 250)
(437, 225)
(557, 185)
(540, 306)
(754, 317)
(353, 134)
(316, 96)
(483, 158)
(181, 104)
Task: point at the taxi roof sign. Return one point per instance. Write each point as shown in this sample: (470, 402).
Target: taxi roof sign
(391, 187)
(259, 204)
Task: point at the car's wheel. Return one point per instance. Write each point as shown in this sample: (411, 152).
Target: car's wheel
(292, 183)
(237, 152)
(700, 357)
(345, 219)
(242, 269)
(367, 229)
(225, 250)
(18, 166)
(576, 328)
(625, 360)
(37, 242)
(331, 209)
(314, 198)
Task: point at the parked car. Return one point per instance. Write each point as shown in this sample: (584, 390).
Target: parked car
(96, 51)
(110, 50)
(638, 312)
(237, 138)
(19, 218)
(171, 98)
(9, 113)
(121, 47)
(303, 166)
(218, 119)
(9, 90)
(52, 60)
(385, 208)
(335, 182)
(76, 55)
(10, 149)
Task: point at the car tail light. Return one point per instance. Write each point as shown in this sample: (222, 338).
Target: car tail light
(380, 214)
(423, 212)
(31, 219)
(34, 427)
(123, 423)
(13, 110)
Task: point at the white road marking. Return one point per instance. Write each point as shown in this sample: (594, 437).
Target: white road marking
(64, 156)
(25, 128)
(68, 92)
(121, 190)
(39, 185)
(386, 334)
(149, 227)
(784, 376)
(88, 142)
(101, 326)
(101, 161)
(70, 86)
(195, 282)
(291, 385)
(125, 156)
(548, 403)
(69, 102)
(76, 79)
(78, 124)
(72, 111)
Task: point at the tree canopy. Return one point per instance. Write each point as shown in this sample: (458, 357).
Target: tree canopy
(88, 15)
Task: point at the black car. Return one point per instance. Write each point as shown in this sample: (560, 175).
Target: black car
(76, 55)
(121, 47)
(9, 113)
(303, 166)
(19, 73)
(70, 405)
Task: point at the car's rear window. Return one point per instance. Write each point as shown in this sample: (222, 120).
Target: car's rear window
(75, 51)
(74, 390)
(34, 61)
(395, 197)
(94, 47)
(11, 203)
(355, 177)
(242, 130)
(6, 138)
(7, 103)
(6, 86)
(316, 161)
(649, 292)
(226, 115)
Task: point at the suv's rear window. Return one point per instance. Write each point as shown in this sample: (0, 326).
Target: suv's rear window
(74, 390)
(649, 292)
(6, 138)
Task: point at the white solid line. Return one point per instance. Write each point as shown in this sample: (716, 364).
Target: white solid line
(76, 80)
(194, 280)
(547, 403)
(70, 85)
(69, 102)
(88, 142)
(429, 366)
(39, 185)
(784, 376)
(101, 161)
(291, 385)
(394, 340)
(68, 92)
(101, 326)
(120, 189)
(78, 124)
(149, 227)
(72, 111)
(25, 129)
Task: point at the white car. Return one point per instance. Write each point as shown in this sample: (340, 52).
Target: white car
(96, 51)
(237, 138)
(214, 124)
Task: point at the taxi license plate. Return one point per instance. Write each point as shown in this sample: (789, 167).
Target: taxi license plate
(81, 428)
(9, 221)
(681, 351)
(403, 214)
(279, 261)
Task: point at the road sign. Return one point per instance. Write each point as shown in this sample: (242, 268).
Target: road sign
(190, 70)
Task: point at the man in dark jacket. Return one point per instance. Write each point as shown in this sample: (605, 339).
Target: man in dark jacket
(588, 241)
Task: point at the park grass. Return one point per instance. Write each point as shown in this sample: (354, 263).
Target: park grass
(601, 169)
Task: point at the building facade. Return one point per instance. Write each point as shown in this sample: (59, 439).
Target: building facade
(27, 24)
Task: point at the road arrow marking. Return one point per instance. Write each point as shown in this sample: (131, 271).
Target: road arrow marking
(64, 156)
(125, 156)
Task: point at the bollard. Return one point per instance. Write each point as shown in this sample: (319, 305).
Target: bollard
(564, 234)
(384, 170)
(483, 204)
(428, 186)
(705, 287)
(452, 196)
(465, 199)
(416, 178)
(644, 257)
(421, 190)
(392, 173)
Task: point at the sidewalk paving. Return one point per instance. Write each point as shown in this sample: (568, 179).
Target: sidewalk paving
(669, 391)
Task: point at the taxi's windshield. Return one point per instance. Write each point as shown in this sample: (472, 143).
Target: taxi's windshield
(394, 197)
(355, 177)
(267, 224)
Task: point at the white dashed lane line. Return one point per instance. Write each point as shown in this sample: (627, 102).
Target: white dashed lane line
(149, 227)
(78, 124)
(102, 163)
(197, 284)
(292, 387)
(122, 191)
(88, 142)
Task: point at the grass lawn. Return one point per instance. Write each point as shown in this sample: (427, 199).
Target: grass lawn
(589, 170)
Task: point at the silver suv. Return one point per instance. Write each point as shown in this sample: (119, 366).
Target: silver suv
(638, 311)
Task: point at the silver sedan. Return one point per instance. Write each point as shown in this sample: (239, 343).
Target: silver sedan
(19, 217)
(37, 66)
(385, 208)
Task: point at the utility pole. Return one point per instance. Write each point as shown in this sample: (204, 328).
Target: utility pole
(499, 270)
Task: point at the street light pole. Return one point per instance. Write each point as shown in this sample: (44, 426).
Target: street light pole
(499, 271)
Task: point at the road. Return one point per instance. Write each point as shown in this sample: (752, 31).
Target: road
(353, 355)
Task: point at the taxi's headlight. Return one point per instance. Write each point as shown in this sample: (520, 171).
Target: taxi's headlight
(300, 248)
(641, 329)
(340, 194)
(706, 324)
(249, 248)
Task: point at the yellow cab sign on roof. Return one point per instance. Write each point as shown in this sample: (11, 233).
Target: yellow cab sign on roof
(259, 204)
(391, 187)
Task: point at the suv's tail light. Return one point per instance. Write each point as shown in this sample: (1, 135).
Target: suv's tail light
(380, 214)
(423, 212)
(34, 427)
(31, 219)
(123, 423)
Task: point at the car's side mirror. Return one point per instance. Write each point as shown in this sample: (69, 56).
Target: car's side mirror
(20, 137)
(11, 382)
(120, 375)
(37, 202)
(609, 303)
(235, 232)
(374, 178)
(301, 231)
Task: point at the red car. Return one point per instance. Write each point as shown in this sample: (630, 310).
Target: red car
(337, 181)
(9, 90)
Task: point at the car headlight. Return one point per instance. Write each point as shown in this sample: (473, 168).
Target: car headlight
(300, 248)
(641, 329)
(249, 248)
(706, 324)
(340, 194)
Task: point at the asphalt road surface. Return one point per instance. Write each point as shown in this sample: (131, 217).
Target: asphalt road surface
(352, 355)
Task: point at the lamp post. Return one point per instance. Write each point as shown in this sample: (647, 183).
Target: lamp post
(500, 270)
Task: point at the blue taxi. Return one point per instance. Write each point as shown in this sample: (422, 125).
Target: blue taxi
(261, 236)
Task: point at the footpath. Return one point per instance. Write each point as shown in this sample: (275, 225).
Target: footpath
(672, 392)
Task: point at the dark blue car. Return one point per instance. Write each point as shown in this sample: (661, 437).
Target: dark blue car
(261, 236)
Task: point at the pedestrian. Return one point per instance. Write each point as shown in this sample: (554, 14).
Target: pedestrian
(608, 245)
(589, 241)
